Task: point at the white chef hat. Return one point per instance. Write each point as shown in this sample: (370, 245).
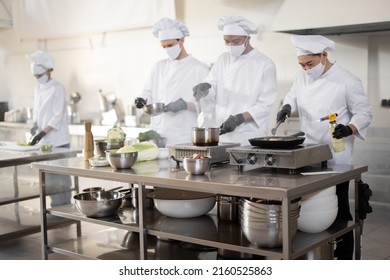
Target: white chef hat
(312, 44)
(236, 25)
(40, 62)
(167, 28)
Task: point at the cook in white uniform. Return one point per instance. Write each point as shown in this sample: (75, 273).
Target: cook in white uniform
(171, 82)
(242, 83)
(322, 88)
(50, 118)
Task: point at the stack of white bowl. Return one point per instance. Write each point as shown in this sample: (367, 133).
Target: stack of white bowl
(261, 221)
(318, 211)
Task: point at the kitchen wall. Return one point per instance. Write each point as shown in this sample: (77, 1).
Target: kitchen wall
(120, 61)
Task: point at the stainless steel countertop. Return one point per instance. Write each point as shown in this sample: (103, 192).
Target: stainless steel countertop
(13, 158)
(223, 179)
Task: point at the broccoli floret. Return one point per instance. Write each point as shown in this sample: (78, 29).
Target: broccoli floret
(148, 135)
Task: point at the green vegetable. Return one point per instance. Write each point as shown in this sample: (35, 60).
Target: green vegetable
(148, 135)
(127, 149)
(146, 150)
(115, 135)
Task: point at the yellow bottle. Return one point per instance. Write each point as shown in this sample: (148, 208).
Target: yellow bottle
(337, 144)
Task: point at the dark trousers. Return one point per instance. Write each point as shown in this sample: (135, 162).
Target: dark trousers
(344, 243)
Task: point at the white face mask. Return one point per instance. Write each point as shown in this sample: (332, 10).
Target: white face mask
(237, 51)
(174, 51)
(43, 79)
(316, 72)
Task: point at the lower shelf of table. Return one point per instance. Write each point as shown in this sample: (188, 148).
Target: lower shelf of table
(204, 231)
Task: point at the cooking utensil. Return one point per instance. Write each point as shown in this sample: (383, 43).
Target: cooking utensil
(205, 136)
(273, 131)
(154, 109)
(121, 160)
(196, 166)
(98, 204)
(101, 145)
(278, 142)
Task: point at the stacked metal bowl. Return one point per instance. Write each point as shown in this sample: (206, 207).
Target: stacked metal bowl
(261, 221)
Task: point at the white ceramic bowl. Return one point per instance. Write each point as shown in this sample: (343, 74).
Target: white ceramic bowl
(327, 192)
(328, 202)
(314, 222)
(182, 204)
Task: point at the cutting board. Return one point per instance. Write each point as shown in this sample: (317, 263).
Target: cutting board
(12, 146)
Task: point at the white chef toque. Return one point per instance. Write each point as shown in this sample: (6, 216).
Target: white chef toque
(236, 25)
(40, 62)
(167, 28)
(312, 44)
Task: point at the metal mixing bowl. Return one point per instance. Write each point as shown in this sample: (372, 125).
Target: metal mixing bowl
(154, 109)
(198, 166)
(101, 145)
(98, 204)
(121, 160)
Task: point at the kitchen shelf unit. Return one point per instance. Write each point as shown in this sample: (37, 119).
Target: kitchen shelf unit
(15, 189)
(222, 180)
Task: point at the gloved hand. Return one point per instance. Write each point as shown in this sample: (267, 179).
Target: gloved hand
(176, 106)
(231, 123)
(34, 129)
(201, 90)
(341, 131)
(139, 102)
(37, 138)
(282, 114)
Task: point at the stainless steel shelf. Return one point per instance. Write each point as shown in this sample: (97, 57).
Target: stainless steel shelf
(226, 180)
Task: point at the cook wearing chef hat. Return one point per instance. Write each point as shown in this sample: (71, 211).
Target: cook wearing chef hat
(236, 32)
(171, 82)
(50, 121)
(41, 65)
(325, 87)
(242, 83)
(171, 34)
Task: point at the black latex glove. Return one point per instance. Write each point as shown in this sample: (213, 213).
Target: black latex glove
(282, 114)
(176, 106)
(201, 90)
(341, 131)
(231, 123)
(139, 102)
(34, 129)
(37, 138)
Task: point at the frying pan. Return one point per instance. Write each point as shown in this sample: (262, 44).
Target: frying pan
(278, 142)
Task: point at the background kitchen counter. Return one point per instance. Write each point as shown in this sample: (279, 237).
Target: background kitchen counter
(17, 131)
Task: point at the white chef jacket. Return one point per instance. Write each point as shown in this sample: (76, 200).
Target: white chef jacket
(247, 83)
(336, 91)
(169, 81)
(50, 108)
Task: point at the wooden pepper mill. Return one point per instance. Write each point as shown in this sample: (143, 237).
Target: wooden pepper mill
(88, 141)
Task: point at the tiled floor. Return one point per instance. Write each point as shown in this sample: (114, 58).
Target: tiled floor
(375, 240)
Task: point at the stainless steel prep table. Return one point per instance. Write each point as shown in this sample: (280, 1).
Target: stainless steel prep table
(15, 159)
(263, 183)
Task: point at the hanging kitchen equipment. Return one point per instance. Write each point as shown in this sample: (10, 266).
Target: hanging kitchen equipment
(278, 142)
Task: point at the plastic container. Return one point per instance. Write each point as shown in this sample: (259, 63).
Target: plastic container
(337, 144)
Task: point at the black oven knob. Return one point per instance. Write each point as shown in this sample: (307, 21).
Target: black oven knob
(252, 158)
(270, 159)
